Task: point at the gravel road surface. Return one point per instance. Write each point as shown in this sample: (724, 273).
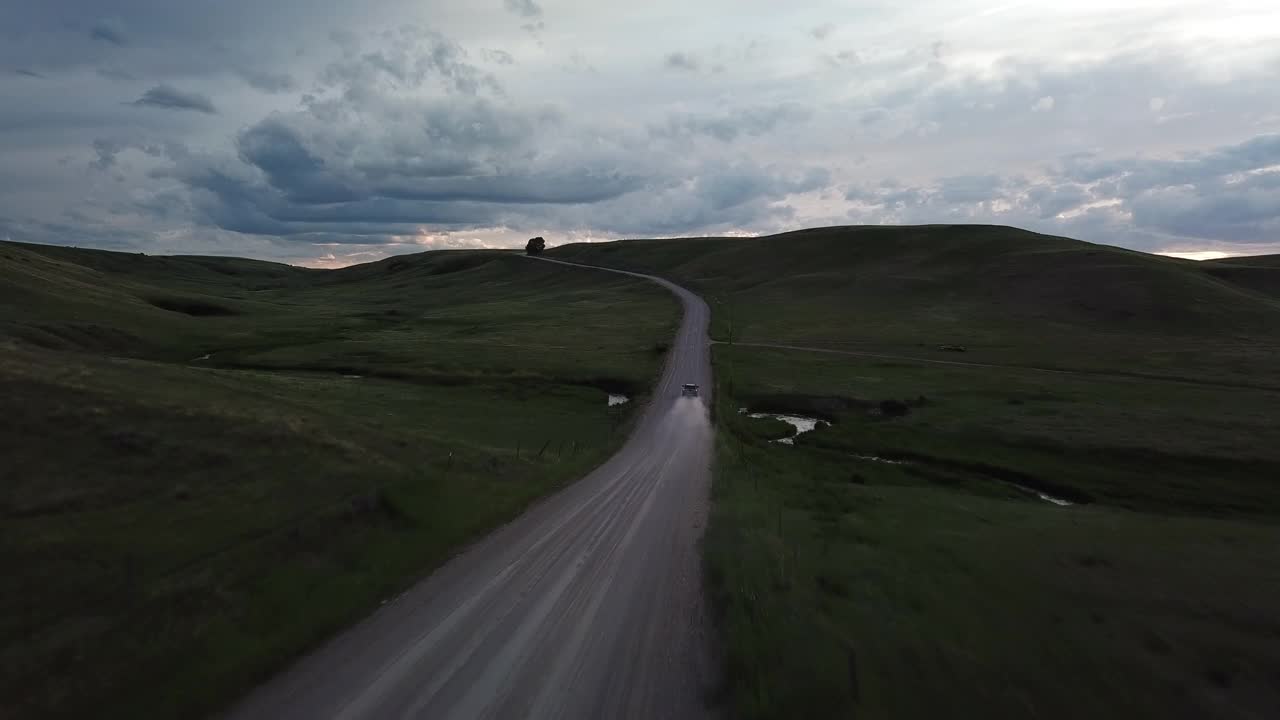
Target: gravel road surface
(589, 605)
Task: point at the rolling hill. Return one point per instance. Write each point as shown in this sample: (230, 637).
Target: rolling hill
(1260, 273)
(246, 456)
(1008, 295)
(1089, 485)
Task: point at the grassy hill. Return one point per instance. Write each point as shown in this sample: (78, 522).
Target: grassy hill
(420, 315)
(242, 456)
(1007, 295)
(1254, 260)
(211, 463)
(1260, 273)
(899, 561)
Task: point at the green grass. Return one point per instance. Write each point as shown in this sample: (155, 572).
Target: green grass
(1094, 438)
(1260, 273)
(242, 506)
(939, 585)
(845, 590)
(1007, 295)
(848, 587)
(177, 529)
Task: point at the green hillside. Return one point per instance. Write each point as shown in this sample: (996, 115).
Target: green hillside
(1007, 295)
(1260, 273)
(900, 561)
(244, 456)
(419, 315)
(1253, 260)
(247, 455)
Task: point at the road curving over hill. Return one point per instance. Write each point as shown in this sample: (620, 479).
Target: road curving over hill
(589, 605)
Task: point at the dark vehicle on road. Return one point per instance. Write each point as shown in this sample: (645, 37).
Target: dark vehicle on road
(689, 390)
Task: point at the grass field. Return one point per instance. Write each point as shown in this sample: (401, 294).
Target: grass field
(901, 564)
(210, 464)
(213, 463)
(1008, 296)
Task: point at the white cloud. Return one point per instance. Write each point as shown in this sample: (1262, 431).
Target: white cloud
(1130, 127)
(821, 32)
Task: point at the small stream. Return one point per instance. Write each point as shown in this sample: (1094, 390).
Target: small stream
(1030, 491)
(804, 424)
(801, 423)
(1044, 496)
(877, 458)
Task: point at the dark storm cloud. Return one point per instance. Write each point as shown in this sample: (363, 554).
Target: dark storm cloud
(682, 61)
(1254, 154)
(501, 57)
(728, 126)
(738, 184)
(171, 98)
(1052, 200)
(523, 8)
(873, 116)
(108, 31)
(167, 41)
(1229, 194)
(318, 168)
(717, 196)
(361, 134)
(969, 188)
(114, 74)
(890, 197)
(290, 167)
(468, 163)
(267, 81)
(406, 58)
(455, 159)
(77, 233)
(106, 151)
(1247, 211)
(398, 130)
(564, 187)
(842, 59)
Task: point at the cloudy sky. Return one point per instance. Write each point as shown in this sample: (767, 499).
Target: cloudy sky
(326, 132)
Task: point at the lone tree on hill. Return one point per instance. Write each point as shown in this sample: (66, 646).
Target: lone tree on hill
(535, 246)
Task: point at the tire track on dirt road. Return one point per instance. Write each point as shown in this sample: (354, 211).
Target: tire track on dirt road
(589, 605)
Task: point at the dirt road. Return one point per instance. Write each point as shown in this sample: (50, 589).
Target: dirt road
(587, 606)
